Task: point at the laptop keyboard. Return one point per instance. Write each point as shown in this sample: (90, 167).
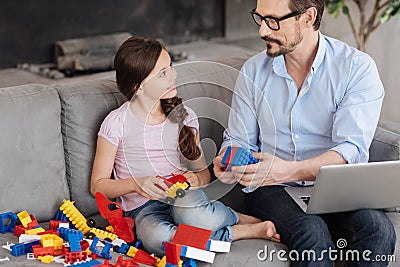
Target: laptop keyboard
(306, 199)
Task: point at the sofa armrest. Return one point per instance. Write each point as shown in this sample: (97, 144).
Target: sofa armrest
(386, 143)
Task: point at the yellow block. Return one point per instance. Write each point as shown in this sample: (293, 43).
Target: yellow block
(24, 218)
(46, 259)
(131, 252)
(34, 231)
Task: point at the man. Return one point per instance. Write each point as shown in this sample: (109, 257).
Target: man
(323, 102)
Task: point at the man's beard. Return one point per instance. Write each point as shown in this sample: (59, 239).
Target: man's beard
(283, 49)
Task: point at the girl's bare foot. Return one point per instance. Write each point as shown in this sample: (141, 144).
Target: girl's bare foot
(247, 219)
(264, 230)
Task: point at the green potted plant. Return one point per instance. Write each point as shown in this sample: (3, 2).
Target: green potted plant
(371, 15)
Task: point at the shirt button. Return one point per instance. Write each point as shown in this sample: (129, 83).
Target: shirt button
(296, 136)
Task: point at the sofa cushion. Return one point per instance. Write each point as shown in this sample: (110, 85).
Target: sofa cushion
(83, 108)
(386, 143)
(32, 162)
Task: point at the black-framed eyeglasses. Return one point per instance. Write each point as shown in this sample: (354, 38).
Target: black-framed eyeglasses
(272, 22)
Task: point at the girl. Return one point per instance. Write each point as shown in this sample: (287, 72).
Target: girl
(154, 134)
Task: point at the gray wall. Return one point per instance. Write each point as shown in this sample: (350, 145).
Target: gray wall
(383, 46)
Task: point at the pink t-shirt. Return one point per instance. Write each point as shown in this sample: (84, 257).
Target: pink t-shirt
(143, 150)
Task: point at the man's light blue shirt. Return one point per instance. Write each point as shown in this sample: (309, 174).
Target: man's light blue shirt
(337, 107)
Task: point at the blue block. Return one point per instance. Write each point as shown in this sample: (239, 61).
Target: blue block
(93, 246)
(88, 263)
(105, 253)
(9, 227)
(23, 248)
(189, 263)
(240, 157)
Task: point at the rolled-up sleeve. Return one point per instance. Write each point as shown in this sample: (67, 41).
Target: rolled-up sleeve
(357, 115)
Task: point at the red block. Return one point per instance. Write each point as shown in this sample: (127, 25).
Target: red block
(72, 257)
(191, 236)
(172, 252)
(19, 230)
(33, 223)
(39, 250)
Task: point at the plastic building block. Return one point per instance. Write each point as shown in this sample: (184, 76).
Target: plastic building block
(74, 216)
(24, 218)
(9, 227)
(46, 259)
(72, 257)
(23, 248)
(218, 246)
(122, 262)
(102, 234)
(19, 230)
(189, 263)
(47, 241)
(191, 236)
(105, 252)
(85, 244)
(39, 250)
(173, 253)
(65, 231)
(237, 156)
(143, 257)
(198, 254)
(74, 239)
(60, 216)
(112, 212)
(33, 224)
(88, 263)
(34, 231)
(93, 248)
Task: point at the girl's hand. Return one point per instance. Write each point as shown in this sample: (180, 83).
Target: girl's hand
(192, 178)
(151, 187)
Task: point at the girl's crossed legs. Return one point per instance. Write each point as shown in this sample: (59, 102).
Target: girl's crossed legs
(157, 221)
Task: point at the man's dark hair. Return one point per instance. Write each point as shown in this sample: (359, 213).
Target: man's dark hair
(303, 5)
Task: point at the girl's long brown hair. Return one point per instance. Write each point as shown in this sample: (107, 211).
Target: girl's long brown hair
(133, 62)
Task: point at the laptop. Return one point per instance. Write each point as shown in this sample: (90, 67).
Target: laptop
(349, 187)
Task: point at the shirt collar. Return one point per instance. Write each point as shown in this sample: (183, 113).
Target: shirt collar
(279, 65)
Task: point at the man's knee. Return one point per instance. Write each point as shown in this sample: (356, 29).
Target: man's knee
(309, 232)
(375, 224)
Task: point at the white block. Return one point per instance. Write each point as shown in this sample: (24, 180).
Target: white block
(219, 246)
(26, 238)
(198, 254)
(63, 225)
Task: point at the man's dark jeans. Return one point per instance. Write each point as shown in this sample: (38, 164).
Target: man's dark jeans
(363, 230)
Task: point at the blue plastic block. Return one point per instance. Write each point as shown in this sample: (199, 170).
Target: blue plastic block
(93, 246)
(124, 248)
(64, 232)
(23, 248)
(9, 227)
(189, 263)
(74, 239)
(238, 157)
(88, 263)
(105, 253)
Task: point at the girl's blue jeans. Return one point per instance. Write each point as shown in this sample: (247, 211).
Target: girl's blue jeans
(156, 221)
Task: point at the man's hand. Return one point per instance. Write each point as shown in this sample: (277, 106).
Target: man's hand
(270, 170)
(224, 176)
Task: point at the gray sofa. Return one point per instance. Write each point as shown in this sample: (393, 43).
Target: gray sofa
(48, 138)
